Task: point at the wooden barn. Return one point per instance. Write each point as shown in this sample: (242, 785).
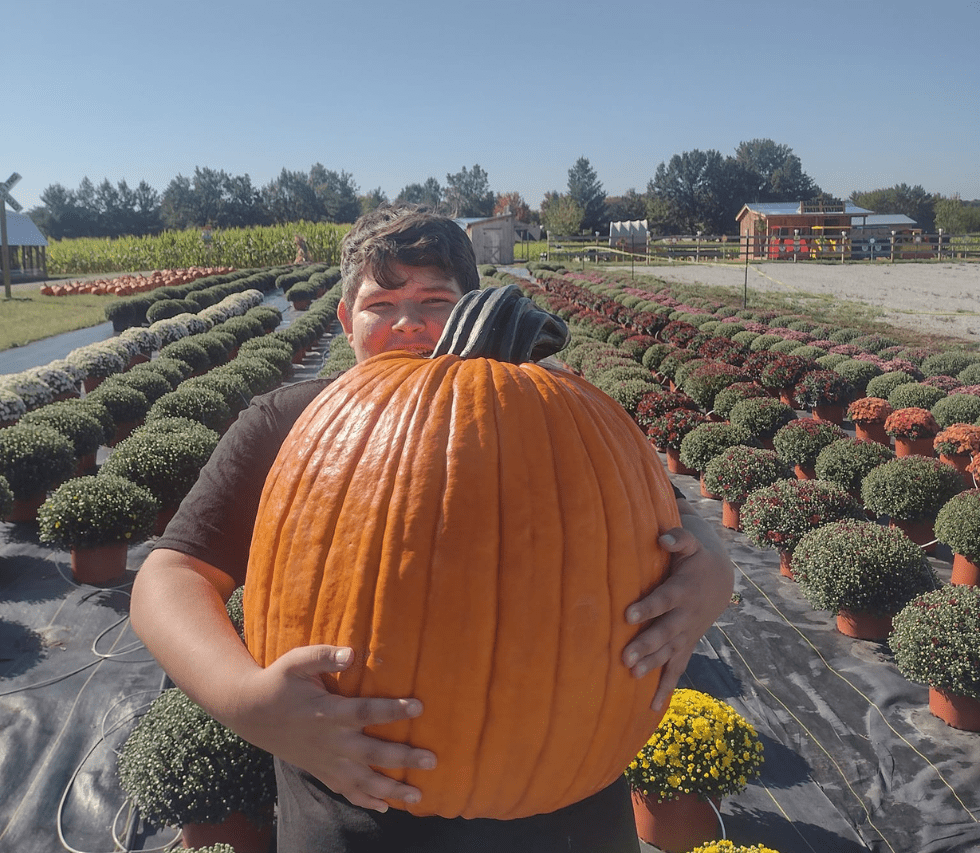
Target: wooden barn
(27, 247)
(809, 228)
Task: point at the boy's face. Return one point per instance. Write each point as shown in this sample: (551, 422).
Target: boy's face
(410, 317)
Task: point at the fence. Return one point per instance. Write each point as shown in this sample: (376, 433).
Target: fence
(794, 248)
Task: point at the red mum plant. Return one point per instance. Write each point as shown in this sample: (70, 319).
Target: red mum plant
(656, 404)
(869, 410)
(669, 430)
(785, 371)
(911, 423)
(740, 470)
(822, 387)
(778, 516)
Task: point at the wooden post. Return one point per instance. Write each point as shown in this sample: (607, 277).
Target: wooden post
(6, 249)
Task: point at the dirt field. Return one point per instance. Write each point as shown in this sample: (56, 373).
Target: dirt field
(934, 298)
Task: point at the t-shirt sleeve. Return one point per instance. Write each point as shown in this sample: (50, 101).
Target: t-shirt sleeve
(214, 522)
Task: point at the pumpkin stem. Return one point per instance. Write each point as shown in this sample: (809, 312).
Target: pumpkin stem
(502, 324)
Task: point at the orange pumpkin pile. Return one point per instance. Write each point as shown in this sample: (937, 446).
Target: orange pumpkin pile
(127, 285)
(475, 531)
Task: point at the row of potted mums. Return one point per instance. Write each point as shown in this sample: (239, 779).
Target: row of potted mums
(721, 393)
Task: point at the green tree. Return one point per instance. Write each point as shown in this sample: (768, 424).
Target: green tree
(698, 191)
(372, 200)
(627, 207)
(914, 202)
(586, 190)
(335, 194)
(428, 194)
(468, 193)
(773, 172)
(561, 215)
(956, 216)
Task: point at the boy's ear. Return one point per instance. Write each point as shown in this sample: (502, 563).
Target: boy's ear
(345, 321)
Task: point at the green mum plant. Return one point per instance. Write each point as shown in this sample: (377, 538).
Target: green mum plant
(800, 441)
(86, 512)
(34, 458)
(197, 402)
(125, 403)
(762, 416)
(733, 474)
(915, 395)
(74, 421)
(911, 423)
(847, 462)
(956, 408)
(726, 398)
(859, 372)
(6, 497)
(862, 567)
(32, 391)
(883, 384)
(189, 351)
(702, 746)
(166, 464)
(707, 440)
(778, 516)
(936, 640)
(910, 488)
(12, 407)
(180, 766)
(958, 524)
(259, 373)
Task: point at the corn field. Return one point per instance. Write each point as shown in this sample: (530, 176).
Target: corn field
(241, 248)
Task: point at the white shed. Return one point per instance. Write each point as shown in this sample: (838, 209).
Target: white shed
(493, 238)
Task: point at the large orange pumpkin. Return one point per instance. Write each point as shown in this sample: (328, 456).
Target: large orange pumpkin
(475, 531)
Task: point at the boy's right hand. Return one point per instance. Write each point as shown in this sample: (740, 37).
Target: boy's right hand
(285, 709)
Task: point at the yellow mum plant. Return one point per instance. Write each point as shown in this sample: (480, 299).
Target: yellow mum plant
(702, 746)
(729, 847)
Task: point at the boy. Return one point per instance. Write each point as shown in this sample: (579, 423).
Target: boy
(403, 271)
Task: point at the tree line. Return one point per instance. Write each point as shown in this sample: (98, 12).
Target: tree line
(693, 191)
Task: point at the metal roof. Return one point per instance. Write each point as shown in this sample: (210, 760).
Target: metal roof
(21, 231)
(879, 219)
(791, 208)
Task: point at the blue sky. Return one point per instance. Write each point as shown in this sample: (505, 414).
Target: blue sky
(867, 94)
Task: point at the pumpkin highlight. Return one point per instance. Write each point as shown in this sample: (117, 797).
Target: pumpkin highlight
(475, 531)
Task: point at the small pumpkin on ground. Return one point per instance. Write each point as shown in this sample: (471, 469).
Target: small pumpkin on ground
(474, 528)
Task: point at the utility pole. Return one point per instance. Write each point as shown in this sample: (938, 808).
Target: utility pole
(5, 199)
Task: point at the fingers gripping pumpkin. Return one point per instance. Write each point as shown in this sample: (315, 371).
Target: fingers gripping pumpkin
(475, 530)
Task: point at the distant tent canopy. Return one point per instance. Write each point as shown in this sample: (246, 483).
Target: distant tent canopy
(631, 232)
(27, 247)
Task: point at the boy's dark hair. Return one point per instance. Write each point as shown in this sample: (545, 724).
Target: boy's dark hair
(405, 234)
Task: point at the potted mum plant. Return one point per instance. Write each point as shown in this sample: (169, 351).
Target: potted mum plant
(732, 394)
(651, 406)
(911, 490)
(956, 408)
(958, 526)
(668, 431)
(826, 393)
(914, 430)
(848, 460)
(869, 415)
(778, 516)
(863, 572)
(799, 442)
(762, 417)
(34, 458)
(704, 382)
(76, 423)
(166, 463)
(6, 497)
(706, 441)
(957, 445)
(126, 404)
(703, 750)
(936, 641)
(736, 472)
(195, 401)
(182, 768)
(97, 519)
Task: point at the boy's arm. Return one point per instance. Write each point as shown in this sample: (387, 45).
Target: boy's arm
(696, 591)
(178, 610)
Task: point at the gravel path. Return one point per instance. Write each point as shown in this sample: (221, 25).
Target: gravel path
(934, 298)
